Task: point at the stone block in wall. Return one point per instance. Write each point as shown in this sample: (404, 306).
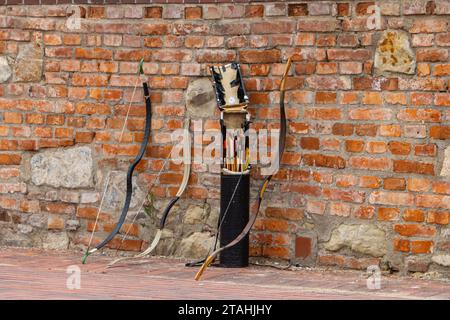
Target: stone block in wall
(394, 53)
(5, 69)
(68, 168)
(29, 63)
(362, 238)
(197, 245)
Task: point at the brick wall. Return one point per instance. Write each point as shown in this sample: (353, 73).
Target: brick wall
(364, 178)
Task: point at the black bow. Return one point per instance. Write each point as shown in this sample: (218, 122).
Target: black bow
(126, 206)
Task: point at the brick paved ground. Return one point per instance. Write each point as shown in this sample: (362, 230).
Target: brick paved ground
(39, 274)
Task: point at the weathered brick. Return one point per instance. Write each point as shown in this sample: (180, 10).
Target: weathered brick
(423, 69)
(425, 150)
(406, 166)
(320, 160)
(410, 230)
(354, 146)
(432, 55)
(401, 245)
(413, 215)
(370, 163)
(388, 214)
(428, 25)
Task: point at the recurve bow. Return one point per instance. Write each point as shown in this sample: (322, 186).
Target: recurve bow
(129, 182)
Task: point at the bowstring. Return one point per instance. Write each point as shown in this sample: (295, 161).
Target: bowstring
(109, 174)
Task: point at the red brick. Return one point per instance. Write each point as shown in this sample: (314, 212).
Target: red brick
(350, 67)
(430, 25)
(349, 54)
(298, 9)
(413, 215)
(436, 217)
(326, 68)
(376, 147)
(12, 117)
(153, 12)
(407, 166)
(10, 159)
(390, 130)
(340, 209)
(346, 181)
(216, 56)
(361, 8)
(394, 184)
(343, 9)
(305, 39)
(370, 114)
(260, 56)
(294, 214)
(322, 25)
(344, 195)
(326, 97)
(369, 182)
(310, 143)
(428, 115)
(276, 252)
(95, 53)
(303, 247)
(58, 207)
(441, 187)
(370, 163)
(423, 69)
(320, 160)
(354, 145)
(399, 148)
(418, 184)
(395, 98)
(347, 40)
(388, 214)
(431, 55)
(368, 83)
(84, 137)
(440, 132)
(193, 13)
(326, 40)
(391, 198)
(89, 80)
(426, 150)
(323, 113)
(401, 245)
(421, 98)
(253, 11)
(343, 129)
(364, 212)
(304, 189)
(442, 99)
(433, 201)
(420, 246)
(411, 230)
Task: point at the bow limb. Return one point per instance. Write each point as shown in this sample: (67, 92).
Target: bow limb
(181, 189)
(262, 189)
(138, 158)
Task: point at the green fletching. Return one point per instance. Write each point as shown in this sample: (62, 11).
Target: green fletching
(141, 66)
(83, 261)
